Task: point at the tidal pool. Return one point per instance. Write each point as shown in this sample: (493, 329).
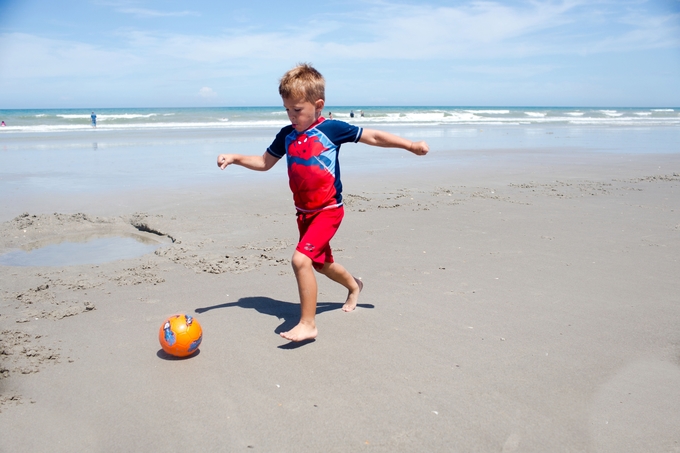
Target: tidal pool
(81, 250)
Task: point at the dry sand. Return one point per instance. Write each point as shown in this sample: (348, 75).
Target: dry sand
(525, 307)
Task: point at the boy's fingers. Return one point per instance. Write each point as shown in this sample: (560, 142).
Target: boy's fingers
(422, 148)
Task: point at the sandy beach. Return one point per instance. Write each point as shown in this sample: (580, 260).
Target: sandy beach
(528, 301)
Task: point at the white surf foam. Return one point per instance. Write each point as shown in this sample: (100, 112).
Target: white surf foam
(489, 112)
(105, 117)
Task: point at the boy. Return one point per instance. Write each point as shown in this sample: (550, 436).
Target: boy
(311, 145)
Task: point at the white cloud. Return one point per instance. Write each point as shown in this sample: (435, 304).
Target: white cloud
(478, 30)
(141, 12)
(494, 30)
(643, 32)
(28, 56)
(236, 44)
(506, 71)
(514, 41)
(207, 93)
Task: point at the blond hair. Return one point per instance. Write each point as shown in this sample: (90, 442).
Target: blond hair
(303, 82)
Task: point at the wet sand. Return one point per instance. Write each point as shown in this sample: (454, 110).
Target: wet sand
(523, 304)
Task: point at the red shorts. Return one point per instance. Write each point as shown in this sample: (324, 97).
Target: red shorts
(316, 231)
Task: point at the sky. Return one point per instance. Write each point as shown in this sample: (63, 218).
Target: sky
(153, 53)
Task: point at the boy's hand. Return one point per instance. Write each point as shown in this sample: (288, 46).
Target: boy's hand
(225, 159)
(419, 148)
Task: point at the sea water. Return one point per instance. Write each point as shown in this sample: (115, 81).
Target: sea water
(52, 152)
(52, 120)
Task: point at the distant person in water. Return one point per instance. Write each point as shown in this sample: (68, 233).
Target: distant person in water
(94, 119)
(330, 116)
(361, 113)
(351, 113)
(3, 124)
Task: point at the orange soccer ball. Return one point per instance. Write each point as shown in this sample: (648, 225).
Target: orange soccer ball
(180, 335)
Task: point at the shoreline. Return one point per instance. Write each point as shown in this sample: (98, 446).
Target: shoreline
(63, 170)
(143, 191)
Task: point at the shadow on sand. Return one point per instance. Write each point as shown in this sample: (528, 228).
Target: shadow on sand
(161, 354)
(288, 311)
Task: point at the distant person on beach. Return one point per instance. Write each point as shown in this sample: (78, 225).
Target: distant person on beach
(311, 145)
(94, 119)
(330, 115)
(351, 113)
(361, 113)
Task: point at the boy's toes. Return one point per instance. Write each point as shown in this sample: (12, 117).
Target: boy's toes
(301, 332)
(348, 307)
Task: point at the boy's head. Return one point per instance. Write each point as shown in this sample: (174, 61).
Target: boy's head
(303, 82)
(303, 92)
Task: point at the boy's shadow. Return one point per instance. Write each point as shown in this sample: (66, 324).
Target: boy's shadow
(289, 312)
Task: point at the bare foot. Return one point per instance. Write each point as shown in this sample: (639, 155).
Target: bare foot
(301, 332)
(353, 296)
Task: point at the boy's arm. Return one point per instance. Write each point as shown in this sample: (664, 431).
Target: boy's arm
(258, 163)
(386, 140)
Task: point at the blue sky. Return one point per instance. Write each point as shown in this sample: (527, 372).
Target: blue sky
(139, 53)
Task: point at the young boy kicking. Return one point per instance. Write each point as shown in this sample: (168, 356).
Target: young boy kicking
(311, 145)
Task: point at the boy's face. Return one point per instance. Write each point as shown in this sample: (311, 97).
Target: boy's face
(303, 113)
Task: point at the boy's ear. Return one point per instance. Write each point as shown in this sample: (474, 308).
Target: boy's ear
(319, 104)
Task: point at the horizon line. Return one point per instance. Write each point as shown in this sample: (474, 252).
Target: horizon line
(360, 107)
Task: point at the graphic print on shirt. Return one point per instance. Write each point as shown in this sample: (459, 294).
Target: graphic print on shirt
(313, 167)
(311, 172)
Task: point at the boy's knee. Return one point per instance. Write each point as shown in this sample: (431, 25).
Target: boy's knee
(300, 261)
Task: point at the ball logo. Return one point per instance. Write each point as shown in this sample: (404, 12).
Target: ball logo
(168, 333)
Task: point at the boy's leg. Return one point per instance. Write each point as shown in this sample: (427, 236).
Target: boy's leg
(306, 280)
(339, 274)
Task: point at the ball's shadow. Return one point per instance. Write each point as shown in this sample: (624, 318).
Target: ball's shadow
(161, 354)
(287, 311)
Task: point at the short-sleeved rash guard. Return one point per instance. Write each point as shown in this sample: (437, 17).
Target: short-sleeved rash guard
(313, 166)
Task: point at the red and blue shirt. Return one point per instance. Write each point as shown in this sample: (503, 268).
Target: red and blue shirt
(313, 165)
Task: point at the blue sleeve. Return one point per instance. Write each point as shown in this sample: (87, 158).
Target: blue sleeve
(278, 146)
(340, 132)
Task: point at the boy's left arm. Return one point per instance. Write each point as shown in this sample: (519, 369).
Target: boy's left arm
(386, 140)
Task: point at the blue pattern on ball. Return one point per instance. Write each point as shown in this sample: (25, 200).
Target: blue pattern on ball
(195, 344)
(169, 334)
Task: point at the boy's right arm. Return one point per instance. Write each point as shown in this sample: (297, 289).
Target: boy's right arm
(258, 163)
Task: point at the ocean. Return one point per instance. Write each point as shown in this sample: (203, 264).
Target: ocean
(57, 120)
(48, 153)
